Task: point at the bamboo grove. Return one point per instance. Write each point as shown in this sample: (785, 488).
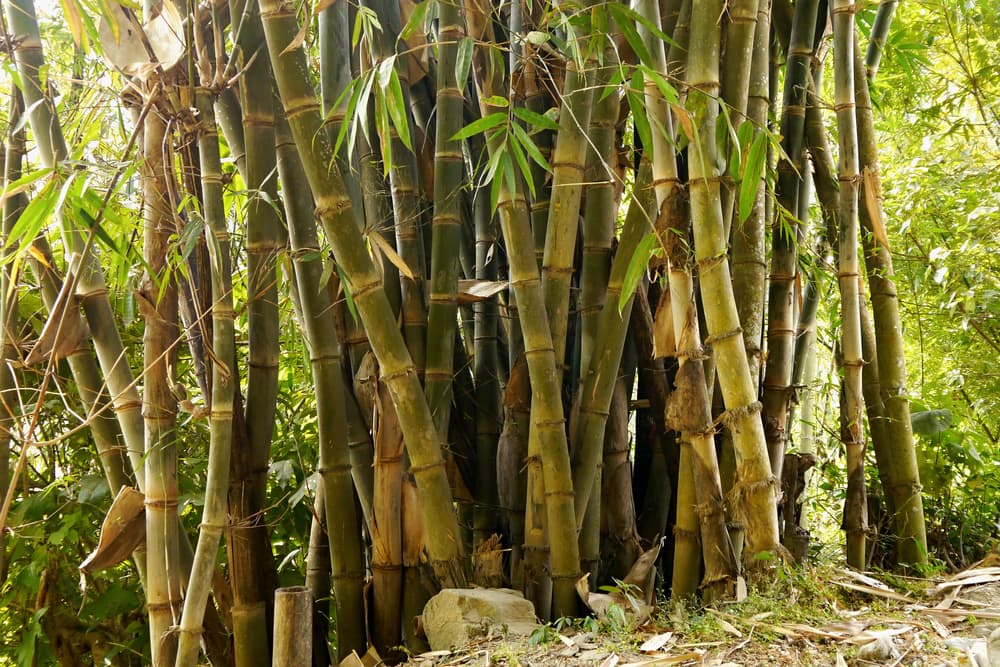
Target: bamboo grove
(556, 269)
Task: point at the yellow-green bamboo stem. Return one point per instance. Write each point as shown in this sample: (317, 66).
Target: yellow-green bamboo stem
(398, 370)
(293, 627)
(756, 488)
(879, 34)
(224, 378)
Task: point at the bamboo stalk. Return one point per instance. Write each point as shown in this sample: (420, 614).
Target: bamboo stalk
(879, 34)
(855, 506)
(777, 392)
(214, 512)
(292, 627)
(756, 485)
(908, 504)
(449, 168)
(345, 548)
(399, 372)
(252, 567)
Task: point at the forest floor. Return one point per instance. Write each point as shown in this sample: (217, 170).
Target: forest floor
(807, 616)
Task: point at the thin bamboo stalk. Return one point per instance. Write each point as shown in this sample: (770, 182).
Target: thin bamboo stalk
(214, 512)
(449, 168)
(399, 372)
(252, 566)
(879, 34)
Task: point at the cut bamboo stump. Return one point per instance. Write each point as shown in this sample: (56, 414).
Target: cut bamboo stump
(293, 620)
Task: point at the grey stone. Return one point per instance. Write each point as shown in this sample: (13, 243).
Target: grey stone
(456, 616)
(879, 650)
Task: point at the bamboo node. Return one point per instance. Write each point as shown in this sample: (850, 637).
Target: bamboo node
(341, 467)
(854, 363)
(566, 577)
(165, 504)
(414, 470)
(685, 535)
(709, 263)
(714, 338)
(730, 417)
(848, 274)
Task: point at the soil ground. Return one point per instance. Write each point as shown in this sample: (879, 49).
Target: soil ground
(810, 616)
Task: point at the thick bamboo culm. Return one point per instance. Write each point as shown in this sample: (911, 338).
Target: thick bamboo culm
(293, 627)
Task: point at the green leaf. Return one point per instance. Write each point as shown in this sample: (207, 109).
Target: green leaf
(756, 159)
(463, 61)
(637, 103)
(668, 92)
(483, 124)
(415, 23)
(496, 101)
(627, 26)
(522, 162)
(397, 110)
(536, 119)
(530, 147)
(636, 268)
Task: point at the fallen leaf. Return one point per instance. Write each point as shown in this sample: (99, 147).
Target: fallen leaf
(656, 642)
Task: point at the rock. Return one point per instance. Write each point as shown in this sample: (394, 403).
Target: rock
(877, 651)
(993, 648)
(456, 616)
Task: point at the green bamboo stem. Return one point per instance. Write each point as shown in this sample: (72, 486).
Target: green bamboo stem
(215, 510)
(345, 548)
(756, 486)
(598, 385)
(908, 504)
(84, 265)
(749, 260)
(737, 64)
(855, 507)
(879, 34)
(569, 159)
(399, 372)
(318, 579)
(449, 169)
(777, 392)
(404, 186)
(252, 566)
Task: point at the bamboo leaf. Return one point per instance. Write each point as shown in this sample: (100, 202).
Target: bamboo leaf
(463, 61)
(415, 23)
(756, 158)
(668, 92)
(684, 118)
(23, 183)
(34, 217)
(637, 104)
(496, 101)
(481, 125)
(397, 110)
(390, 253)
(74, 20)
(522, 161)
(536, 119)
(636, 269)
(530, 147)
(626, 24)
(299, 39)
